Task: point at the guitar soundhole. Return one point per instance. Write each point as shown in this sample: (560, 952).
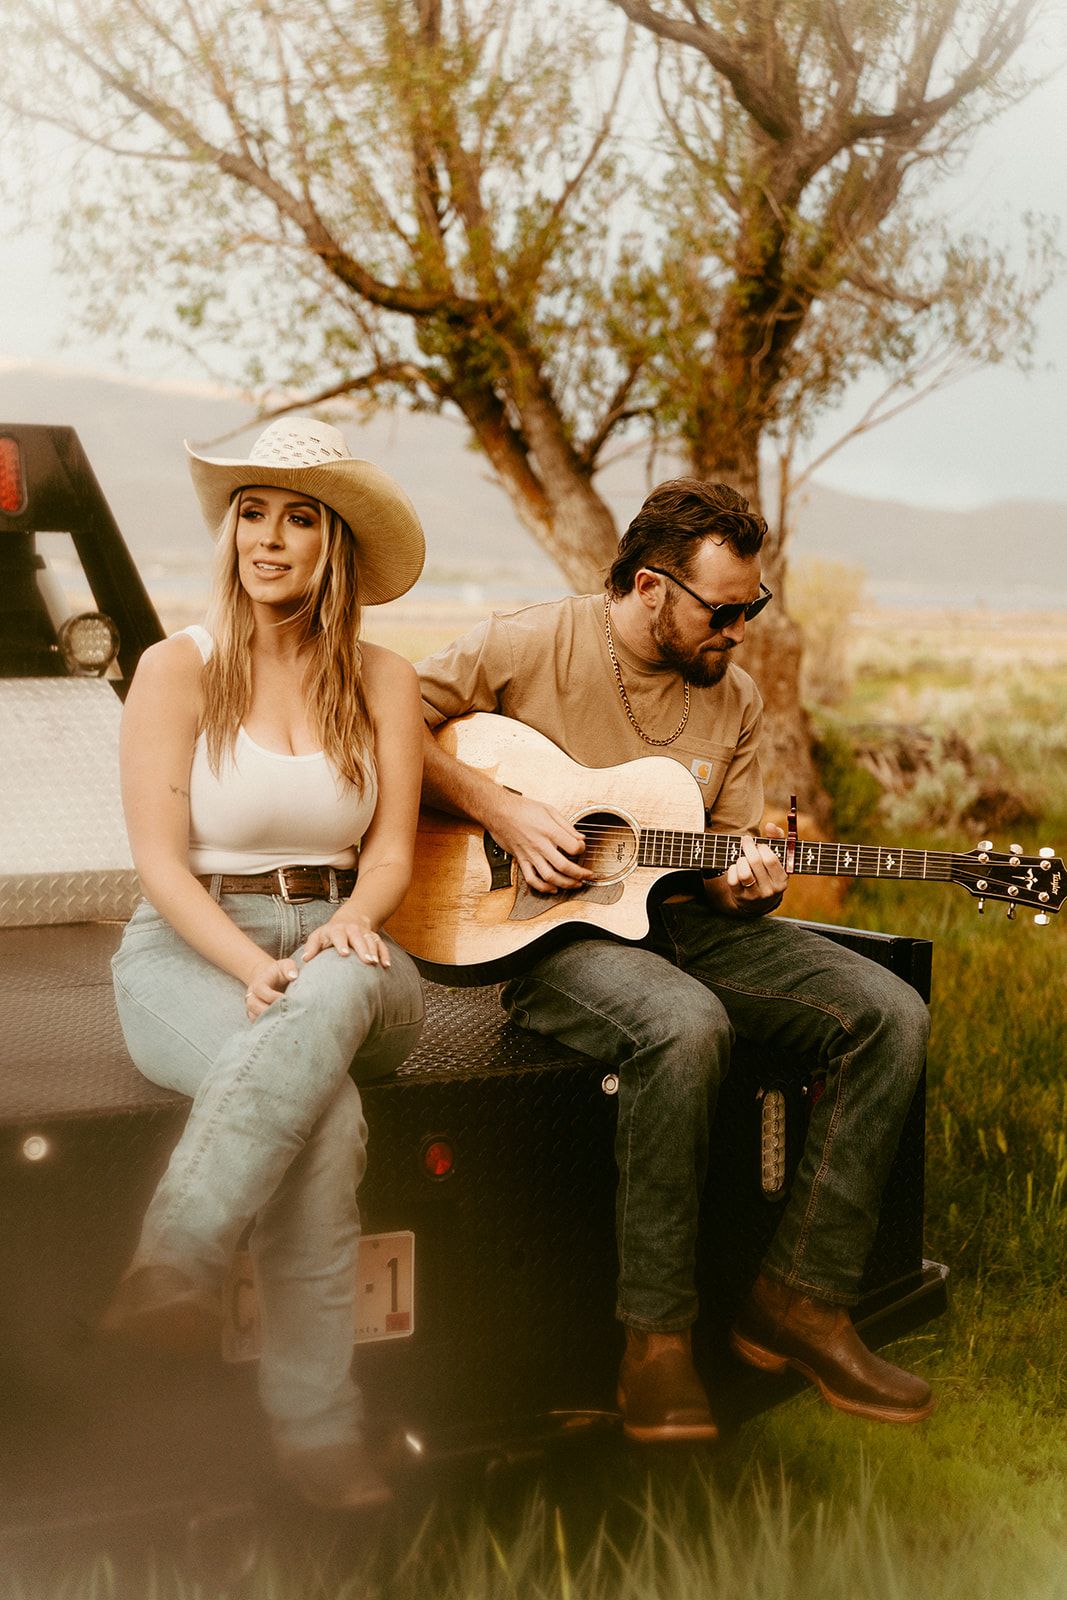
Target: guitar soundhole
(610, 844)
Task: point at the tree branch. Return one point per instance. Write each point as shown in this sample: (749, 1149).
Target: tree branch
(616, 412)
(396, 372)
(751, 94)
(390, 297)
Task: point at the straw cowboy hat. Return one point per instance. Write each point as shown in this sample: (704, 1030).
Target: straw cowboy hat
(311, 458)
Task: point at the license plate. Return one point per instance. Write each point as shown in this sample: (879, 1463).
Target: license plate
(385, 1296)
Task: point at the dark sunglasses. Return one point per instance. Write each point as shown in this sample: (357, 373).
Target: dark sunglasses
(720, 617)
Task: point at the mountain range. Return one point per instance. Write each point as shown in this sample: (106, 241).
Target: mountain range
(1010, 555)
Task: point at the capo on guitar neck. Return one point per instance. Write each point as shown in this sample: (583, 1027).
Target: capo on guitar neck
(791, 834)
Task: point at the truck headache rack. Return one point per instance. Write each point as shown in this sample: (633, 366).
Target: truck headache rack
(48, 486)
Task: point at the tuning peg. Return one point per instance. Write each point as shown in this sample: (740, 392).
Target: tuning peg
(1016, 849)
(981, 908)
(1041, 919)
(1046, 852)
(1011, 913)
(985, 844)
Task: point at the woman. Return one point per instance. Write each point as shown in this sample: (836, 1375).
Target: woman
(258, 757)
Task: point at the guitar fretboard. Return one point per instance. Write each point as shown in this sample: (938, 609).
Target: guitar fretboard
(714, 852)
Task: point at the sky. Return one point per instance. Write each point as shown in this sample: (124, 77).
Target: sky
(995, 435)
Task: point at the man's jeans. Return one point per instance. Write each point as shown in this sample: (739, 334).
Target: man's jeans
(275, 1133)
(664, 1015)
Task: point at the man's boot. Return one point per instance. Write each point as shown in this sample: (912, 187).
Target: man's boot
(779, 1327)
(660, 1395)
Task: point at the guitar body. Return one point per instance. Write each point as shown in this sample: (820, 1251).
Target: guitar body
(461, 929)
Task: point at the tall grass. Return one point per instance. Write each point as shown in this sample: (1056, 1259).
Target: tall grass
(672, 1535)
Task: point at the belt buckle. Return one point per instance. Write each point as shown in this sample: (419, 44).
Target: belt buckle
(297, 897)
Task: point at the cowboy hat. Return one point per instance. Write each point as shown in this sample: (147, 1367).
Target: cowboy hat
(313, 459)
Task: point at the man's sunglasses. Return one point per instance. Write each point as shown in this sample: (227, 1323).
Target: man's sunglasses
(720, 617)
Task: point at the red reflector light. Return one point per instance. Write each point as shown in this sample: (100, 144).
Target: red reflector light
(438, 1158)
(12, 483)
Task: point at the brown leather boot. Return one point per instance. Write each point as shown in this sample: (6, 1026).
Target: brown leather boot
(779, 1327)
(160, 1308)
(660, 1395)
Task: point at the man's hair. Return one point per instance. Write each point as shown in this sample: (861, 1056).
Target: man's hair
(675, 520)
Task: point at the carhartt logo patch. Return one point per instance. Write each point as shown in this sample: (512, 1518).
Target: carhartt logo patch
(701, 771)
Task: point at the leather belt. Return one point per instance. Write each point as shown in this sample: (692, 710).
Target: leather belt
(294, 885)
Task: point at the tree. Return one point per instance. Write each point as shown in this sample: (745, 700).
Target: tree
(405, 195)
(429, 202)
(801, 245)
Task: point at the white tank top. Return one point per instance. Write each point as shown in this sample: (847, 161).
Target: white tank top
(267, 810)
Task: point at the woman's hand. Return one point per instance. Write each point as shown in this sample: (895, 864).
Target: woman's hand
(268, 983)
(349, 932)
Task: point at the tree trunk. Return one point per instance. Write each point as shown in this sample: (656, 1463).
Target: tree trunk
(772, 653)
(550, 489)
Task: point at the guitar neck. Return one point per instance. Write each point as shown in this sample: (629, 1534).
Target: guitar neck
(714, 852)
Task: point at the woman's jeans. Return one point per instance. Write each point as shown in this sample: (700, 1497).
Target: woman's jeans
(275, 1134)
(664, 1015)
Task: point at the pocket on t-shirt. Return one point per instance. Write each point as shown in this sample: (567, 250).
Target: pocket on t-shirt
(708, 764)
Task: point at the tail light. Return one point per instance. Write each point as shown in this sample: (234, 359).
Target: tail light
(438, 1159)
(12, 478)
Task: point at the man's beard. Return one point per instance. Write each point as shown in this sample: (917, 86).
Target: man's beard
(702, 668)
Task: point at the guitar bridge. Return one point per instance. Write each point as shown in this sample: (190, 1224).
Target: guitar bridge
(499, 863)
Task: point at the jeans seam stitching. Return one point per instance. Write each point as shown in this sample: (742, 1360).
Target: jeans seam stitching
(629, 1156)
(827, 1146)
(612, 1022)
(638, 1045)
(163, 1022)
(778, 994)
(237, 1080)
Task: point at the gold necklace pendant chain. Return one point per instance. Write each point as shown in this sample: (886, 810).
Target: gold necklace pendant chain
(625, 697)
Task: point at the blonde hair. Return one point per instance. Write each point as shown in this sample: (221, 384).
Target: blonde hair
(330, 617)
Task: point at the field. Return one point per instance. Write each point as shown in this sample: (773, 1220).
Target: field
(806, 1502)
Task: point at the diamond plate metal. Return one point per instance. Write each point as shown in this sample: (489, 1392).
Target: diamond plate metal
(64, 855)
(62, 1053)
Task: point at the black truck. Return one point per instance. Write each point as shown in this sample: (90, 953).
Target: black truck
(486, 1324)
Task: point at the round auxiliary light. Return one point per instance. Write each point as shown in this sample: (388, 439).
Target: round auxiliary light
(438, 1159)
(90, 643)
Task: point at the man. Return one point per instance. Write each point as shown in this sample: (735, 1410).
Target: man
(646, 669)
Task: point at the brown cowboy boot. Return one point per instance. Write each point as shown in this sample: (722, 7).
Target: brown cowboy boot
(779, 1327)
(660, 1395)
(160, 1308)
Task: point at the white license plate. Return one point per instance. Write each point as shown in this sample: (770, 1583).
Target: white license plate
(385, 1296)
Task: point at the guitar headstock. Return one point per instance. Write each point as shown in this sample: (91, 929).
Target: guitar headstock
(1037, 881)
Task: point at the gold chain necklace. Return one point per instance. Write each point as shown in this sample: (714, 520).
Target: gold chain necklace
(625, 697)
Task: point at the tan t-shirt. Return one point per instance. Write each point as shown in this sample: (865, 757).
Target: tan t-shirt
(548, 666)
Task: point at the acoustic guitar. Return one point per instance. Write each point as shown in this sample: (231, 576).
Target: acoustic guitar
(470, 918)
